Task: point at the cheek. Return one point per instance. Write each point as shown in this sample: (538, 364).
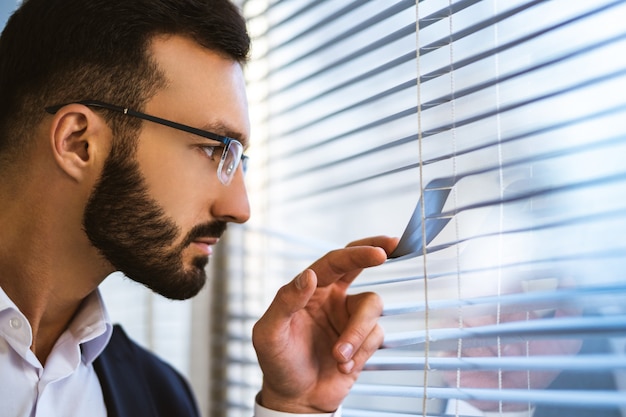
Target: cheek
(178, 182)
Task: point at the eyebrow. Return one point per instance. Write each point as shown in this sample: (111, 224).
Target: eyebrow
(222, 129)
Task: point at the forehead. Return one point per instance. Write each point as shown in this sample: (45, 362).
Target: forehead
(203, 88)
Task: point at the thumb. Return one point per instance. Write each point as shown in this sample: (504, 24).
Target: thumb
(274, 327)
(293, 296)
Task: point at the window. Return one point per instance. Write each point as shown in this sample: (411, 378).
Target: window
(512, 112)
(6, 9)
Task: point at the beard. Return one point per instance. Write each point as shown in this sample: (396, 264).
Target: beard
(132, 232)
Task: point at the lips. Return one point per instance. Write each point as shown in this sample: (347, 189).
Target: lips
(204, 236)
(205, 244)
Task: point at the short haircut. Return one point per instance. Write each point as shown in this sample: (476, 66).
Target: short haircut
(60, 51)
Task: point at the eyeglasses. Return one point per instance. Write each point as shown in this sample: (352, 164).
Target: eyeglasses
(232, 152)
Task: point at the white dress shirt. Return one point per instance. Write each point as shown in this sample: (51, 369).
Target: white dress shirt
(260, 411)
(67, 385)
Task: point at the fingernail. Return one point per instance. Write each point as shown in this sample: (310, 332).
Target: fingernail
(346, 349)
(301, 281)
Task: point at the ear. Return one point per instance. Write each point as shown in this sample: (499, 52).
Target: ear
(80, 141)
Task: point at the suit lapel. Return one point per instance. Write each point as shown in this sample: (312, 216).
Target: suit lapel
(123, 386)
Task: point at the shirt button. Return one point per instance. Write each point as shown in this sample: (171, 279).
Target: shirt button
(15, 323)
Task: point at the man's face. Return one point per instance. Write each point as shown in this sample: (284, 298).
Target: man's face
(155, 215)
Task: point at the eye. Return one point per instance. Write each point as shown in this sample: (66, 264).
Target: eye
(212, 151)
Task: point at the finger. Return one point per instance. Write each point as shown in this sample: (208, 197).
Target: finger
(388, 244)
(289, 299)
(365, 310)
(345, 264)
(295, 295)
(370, 346)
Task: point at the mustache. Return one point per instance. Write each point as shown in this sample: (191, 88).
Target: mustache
(212, 229)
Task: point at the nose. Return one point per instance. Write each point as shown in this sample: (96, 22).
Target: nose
(231, 204)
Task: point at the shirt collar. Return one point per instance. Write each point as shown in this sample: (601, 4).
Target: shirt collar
(14, 327)
(91, 327)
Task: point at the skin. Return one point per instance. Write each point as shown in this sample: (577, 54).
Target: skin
(314, 339)
(49, 265)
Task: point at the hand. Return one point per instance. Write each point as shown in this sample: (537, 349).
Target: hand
(314, 339)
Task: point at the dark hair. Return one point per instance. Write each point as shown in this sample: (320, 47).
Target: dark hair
(58, 51)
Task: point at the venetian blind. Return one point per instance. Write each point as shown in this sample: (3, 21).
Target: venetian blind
(505, 119)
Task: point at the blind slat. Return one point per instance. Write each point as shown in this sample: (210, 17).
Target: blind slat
(585, 363)
(597, 399)
(499, 125)
(572, 327)
(583, 297)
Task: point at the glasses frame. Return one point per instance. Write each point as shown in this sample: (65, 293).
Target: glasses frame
(225, 140)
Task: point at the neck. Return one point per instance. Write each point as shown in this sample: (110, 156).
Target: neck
(46, 303)
(47, 269)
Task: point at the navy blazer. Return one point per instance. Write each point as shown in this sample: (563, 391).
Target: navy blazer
(135, 383)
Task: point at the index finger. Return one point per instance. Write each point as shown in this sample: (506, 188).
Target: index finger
(388, 244)
(346, 264)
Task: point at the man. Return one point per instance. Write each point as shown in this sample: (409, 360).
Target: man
(122, 128)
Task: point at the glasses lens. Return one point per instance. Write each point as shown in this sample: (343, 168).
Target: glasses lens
(229, 162)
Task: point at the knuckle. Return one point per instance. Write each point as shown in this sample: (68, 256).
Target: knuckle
(375, 300)
(258, 334)
(374, 341)
(376, 337)
(372, 301)
(359, 333)
(369, 347)
(282, 295)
